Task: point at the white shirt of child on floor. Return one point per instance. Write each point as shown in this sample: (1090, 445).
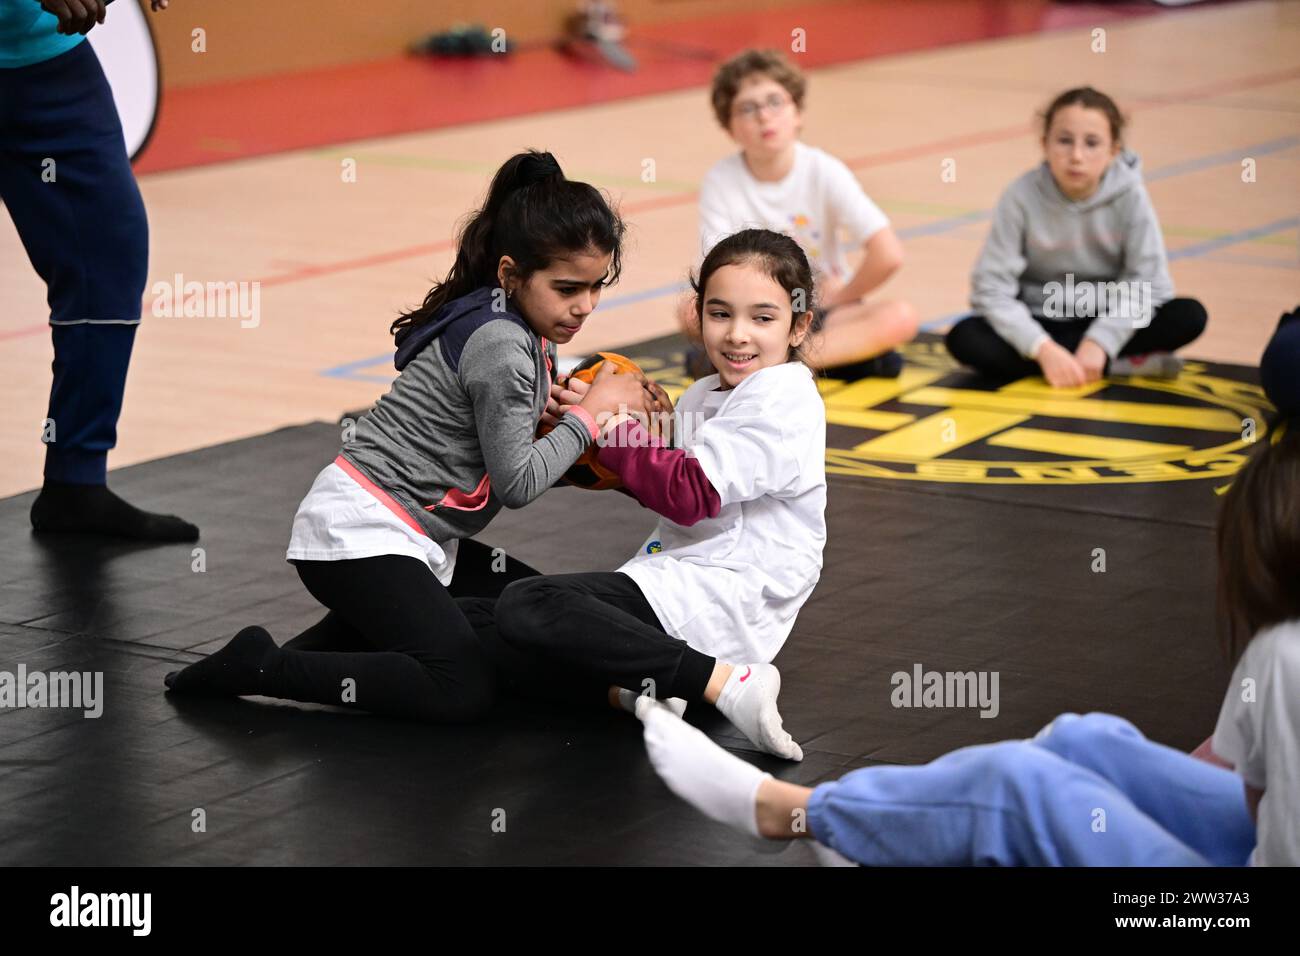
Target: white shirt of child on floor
(820, 204)
(1259, 734)
(731, 586)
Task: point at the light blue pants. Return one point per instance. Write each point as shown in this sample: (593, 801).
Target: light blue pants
(1088, 791)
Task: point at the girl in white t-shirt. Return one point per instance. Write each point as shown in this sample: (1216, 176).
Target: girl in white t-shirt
(1040, 801)
(711, 596)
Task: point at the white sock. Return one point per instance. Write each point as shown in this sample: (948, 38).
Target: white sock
(748, 700)
(715, 782)
(627, 700)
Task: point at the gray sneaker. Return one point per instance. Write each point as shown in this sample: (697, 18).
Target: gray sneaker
(1151, 365)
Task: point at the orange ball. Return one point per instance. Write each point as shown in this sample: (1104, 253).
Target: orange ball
(587, 472)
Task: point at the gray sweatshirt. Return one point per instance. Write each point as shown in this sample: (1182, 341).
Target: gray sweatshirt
(1102, 258)
(452, 440)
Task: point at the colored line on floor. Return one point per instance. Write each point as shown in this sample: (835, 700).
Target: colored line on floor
(630, 209)
(1212, 245)
(348, 370)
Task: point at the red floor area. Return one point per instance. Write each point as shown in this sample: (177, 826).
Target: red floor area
(219, 122)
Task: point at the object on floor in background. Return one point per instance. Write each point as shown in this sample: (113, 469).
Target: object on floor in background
(1279, 367)
(127, 53)
(463, 39)
(1151, 365)
(697, 363)
(595, 32)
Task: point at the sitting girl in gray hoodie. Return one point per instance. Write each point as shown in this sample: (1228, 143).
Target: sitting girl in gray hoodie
(1073, 278)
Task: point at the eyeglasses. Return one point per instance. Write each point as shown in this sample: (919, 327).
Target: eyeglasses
(774, 104)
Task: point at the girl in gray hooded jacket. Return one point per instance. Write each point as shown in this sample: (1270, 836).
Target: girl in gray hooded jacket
(1073, 281)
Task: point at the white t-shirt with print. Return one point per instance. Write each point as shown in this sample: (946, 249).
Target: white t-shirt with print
(731, 586)
(1259, 734)
(819, 203)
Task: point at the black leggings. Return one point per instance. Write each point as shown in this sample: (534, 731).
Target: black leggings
(412, 647)
(973, 342)
(600, 626)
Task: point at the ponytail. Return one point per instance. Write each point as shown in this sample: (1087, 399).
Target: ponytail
(532, 214)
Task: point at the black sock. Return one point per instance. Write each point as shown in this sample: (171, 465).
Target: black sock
(93, 509)
(234, 670)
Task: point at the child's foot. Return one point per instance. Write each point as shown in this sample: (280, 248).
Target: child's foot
(93, 509)
(627, 700)
(235, 670)
(1151, 365)
(748, 700)
(715, 782)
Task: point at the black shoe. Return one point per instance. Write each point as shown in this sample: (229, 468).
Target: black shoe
(889, 365)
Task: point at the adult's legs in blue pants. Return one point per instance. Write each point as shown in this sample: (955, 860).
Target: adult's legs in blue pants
(1091, 791)
(66, 181)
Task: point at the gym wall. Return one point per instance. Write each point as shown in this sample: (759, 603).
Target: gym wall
(247, 38)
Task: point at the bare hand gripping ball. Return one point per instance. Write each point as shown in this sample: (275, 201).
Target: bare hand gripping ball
(587, 471)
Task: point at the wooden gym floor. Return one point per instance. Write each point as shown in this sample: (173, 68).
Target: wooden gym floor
(978, 554)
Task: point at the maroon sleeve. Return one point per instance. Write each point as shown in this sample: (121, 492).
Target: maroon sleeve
(663, 479)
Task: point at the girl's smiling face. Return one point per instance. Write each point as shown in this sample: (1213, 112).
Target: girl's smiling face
(1078, 148)
(557, 300)
(748, 322)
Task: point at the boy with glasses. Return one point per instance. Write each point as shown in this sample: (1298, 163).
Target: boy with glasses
(777, 182)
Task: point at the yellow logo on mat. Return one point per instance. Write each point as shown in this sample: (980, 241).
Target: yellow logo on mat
(1196, 426)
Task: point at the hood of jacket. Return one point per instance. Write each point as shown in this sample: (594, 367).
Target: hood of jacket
(1123, 173)
(411, 341)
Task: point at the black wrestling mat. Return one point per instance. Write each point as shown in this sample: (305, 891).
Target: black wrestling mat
(1054, 593)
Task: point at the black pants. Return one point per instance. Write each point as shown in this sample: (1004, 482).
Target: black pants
(85, 231)
(412, 647)
(600, 625)
(973, 342)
